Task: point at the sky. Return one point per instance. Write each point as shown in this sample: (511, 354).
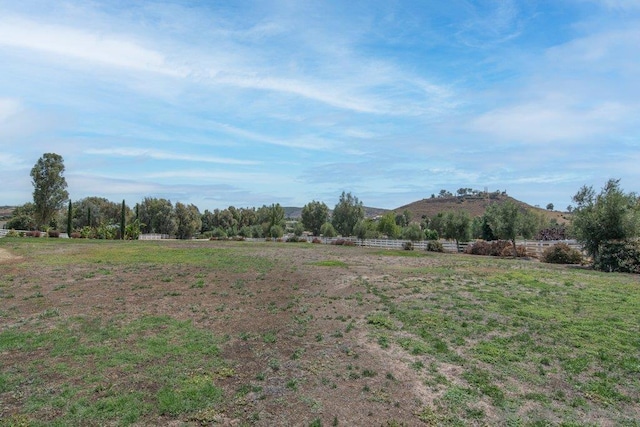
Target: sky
(246, 103)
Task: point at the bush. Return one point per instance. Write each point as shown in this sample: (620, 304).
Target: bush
(619, 256)
(521, 251)
(218, 234)
(34, 233)
(13, 233)
(493, 248)
(431, 234)
(558, 232)
(316, 240)
(407, 246)
(434, 246)
(75, 235)
(561, 253)
(53, 233)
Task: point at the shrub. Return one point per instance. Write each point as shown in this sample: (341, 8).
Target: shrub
(349, 243)
(407, 246)
(53, 233)
(218, 234)
(493, 248)
(13, 233)
(521, 251)
(34, 233)
(561, 253)
(619, 256)
(558, 232)
(434, 246)
(431, 234)
(294, 239)
(316, 240)
(338, 242)
(75, 235)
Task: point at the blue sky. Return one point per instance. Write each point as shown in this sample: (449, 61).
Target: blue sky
(247, 103)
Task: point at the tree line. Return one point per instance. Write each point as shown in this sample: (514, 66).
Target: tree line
(606, 223)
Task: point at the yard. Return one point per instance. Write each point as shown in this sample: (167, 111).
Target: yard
(236, 333)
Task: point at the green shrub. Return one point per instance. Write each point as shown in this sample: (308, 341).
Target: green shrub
(431, 234)
(619, 256)
(13, 233)
(434, 246)
(561, 253)
(407, 246)
(218, 234)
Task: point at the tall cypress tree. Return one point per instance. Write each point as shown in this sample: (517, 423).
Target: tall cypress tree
(122, 221)
(69, 213)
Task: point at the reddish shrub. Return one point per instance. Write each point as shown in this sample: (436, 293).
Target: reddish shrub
(316, 240)
(53, 233)
(75, 235)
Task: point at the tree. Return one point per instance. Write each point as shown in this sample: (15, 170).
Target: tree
(457, 226)
(413, 232)
(609, 215)
(188, 220)
(157, 216)
(122, 220)
(49, 187)
(387, 225)
(549, 206)
(347, 213)
(327, 230)
(69, 219)
(508, 220)
(314, 214)
(23, 217)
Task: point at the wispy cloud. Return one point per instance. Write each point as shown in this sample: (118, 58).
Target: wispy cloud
(84, 45)
(163, 155)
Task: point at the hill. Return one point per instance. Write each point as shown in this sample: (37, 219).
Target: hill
(475, 205)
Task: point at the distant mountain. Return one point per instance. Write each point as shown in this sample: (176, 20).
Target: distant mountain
(475, 205)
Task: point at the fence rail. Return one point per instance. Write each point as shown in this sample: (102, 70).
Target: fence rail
(534, 248)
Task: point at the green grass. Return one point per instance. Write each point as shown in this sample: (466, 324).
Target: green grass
(60, 252)
(158, 351)
(510, 322)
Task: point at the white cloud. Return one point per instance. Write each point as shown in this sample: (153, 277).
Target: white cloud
(164, 155)
(548, 122)
(85, 45)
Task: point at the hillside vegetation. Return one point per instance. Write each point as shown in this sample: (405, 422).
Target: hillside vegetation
(474, 205)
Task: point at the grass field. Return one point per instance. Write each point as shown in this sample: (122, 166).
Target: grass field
(237, 333)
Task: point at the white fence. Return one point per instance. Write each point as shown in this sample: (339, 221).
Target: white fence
(153, 236)
(534, 248)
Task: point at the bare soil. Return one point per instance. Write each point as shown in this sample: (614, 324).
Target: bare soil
(328, 365)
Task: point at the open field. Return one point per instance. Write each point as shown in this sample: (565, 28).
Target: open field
(236, 333)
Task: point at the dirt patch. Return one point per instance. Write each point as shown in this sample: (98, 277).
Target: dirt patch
(5, 255)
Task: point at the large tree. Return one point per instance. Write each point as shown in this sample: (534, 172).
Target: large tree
(188, 220)
(508, 221)
(314, 214)
(49, 187)
(347, 213)
(157, 216)
(457, 226)
(609, 215)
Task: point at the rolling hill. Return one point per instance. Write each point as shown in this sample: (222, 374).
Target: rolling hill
(475, 205)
